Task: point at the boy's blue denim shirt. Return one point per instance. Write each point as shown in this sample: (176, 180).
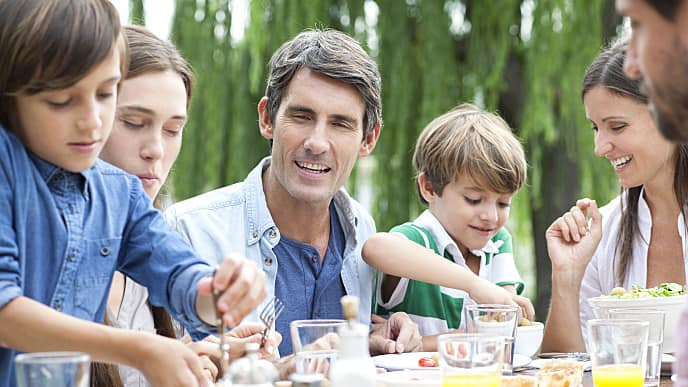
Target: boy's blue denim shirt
(63, 234)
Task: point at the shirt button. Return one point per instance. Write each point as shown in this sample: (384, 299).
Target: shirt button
(104, 251)
(314, 259)
(317, 313)
(58, 306)
(268, 261)
(255, 234)
(273, 234)
(72, 256)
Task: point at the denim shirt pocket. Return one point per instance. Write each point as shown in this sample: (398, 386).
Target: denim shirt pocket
(95, 274)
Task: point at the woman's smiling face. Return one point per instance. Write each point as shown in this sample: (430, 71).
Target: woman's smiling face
(626, 135)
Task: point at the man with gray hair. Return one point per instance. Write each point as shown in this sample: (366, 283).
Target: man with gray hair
(321, 111)
(658, 54)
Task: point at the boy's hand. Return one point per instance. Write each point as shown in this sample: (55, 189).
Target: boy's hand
(571, 242)
(485, 292)
(242, 284)
(169, 362)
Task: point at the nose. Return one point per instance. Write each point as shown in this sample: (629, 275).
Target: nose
(489, 213)
(602, 144)
(151, 148)
(89, 116)
(317, 142)
(631, 67)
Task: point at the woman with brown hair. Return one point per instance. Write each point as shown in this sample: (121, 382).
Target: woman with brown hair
(145, 141)
(639, 238)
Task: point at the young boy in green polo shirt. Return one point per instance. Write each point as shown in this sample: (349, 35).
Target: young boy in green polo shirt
(469, 165)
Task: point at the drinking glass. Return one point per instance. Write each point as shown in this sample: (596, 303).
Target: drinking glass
(53, 369)
(470, 359)
(496, 320)
(655, 338)
(315, 344)
(618, 351)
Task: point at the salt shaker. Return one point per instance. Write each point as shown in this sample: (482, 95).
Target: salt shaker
(354, 366)
(250, 370)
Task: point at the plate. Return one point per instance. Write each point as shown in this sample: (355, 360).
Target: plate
(409, 361)
(521, 360)
(415, 378)
(403, 361)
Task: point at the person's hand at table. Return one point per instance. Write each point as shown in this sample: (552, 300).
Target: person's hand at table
(287, 364)
(571, 242)
(242, 284)
(168, 362)
(244, 333)
(394, 335)
(483, 291)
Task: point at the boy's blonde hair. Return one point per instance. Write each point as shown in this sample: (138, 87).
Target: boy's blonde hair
(469, 140)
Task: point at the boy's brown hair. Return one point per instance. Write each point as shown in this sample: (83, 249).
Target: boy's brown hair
(469, 140)
(52, 44)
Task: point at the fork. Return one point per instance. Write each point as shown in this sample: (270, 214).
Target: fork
(224, 346)
(268, 315)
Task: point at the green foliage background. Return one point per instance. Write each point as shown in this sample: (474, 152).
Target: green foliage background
(522, 58)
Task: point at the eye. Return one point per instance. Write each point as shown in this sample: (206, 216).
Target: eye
(504, 204)
(132, 124)
(105, 95)
(173, 131)
(618, 127)
(471, 201)
(60, 104)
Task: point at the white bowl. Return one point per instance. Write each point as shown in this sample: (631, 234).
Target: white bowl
(529, 338)
(670, 305)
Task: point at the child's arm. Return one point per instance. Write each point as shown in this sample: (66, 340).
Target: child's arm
(30, 326)
(397, 256)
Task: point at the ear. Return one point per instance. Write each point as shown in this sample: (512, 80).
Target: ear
(369, 141)
(425, 188)
(264, 122)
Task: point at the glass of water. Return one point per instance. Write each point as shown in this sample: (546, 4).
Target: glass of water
(495, 319)
(53, 369)
(315, 344)
(655, 338)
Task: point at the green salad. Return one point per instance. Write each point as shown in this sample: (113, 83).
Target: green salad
(667, 289)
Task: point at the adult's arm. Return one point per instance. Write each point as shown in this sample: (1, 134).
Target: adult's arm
(571, 243)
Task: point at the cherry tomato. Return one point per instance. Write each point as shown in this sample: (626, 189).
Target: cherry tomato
(427, 362)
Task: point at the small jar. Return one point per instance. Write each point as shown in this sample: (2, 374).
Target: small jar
(250, 370)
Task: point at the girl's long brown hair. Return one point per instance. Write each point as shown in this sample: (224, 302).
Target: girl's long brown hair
(148, 53)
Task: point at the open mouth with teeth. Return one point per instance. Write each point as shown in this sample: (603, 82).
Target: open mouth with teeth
(621, 161)
(312, 167)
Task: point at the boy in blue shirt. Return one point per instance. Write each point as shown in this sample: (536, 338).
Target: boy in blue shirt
(469, 166)
(68, 220)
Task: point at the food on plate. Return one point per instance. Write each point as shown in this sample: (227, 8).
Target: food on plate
(519, 381)
(429, 361)
(560, 373)
(667, 289)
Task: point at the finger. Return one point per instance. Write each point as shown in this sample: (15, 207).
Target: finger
(375, 319)
(571, 226)
(210, 367)
(563, 228)
(581, 220)
(595, 218)
(245, 292)
(196, 367)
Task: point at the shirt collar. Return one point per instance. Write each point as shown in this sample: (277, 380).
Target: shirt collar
(49, 172)
(445, 242)
(259, 219)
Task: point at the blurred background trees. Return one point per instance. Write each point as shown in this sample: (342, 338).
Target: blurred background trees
(524, 59)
